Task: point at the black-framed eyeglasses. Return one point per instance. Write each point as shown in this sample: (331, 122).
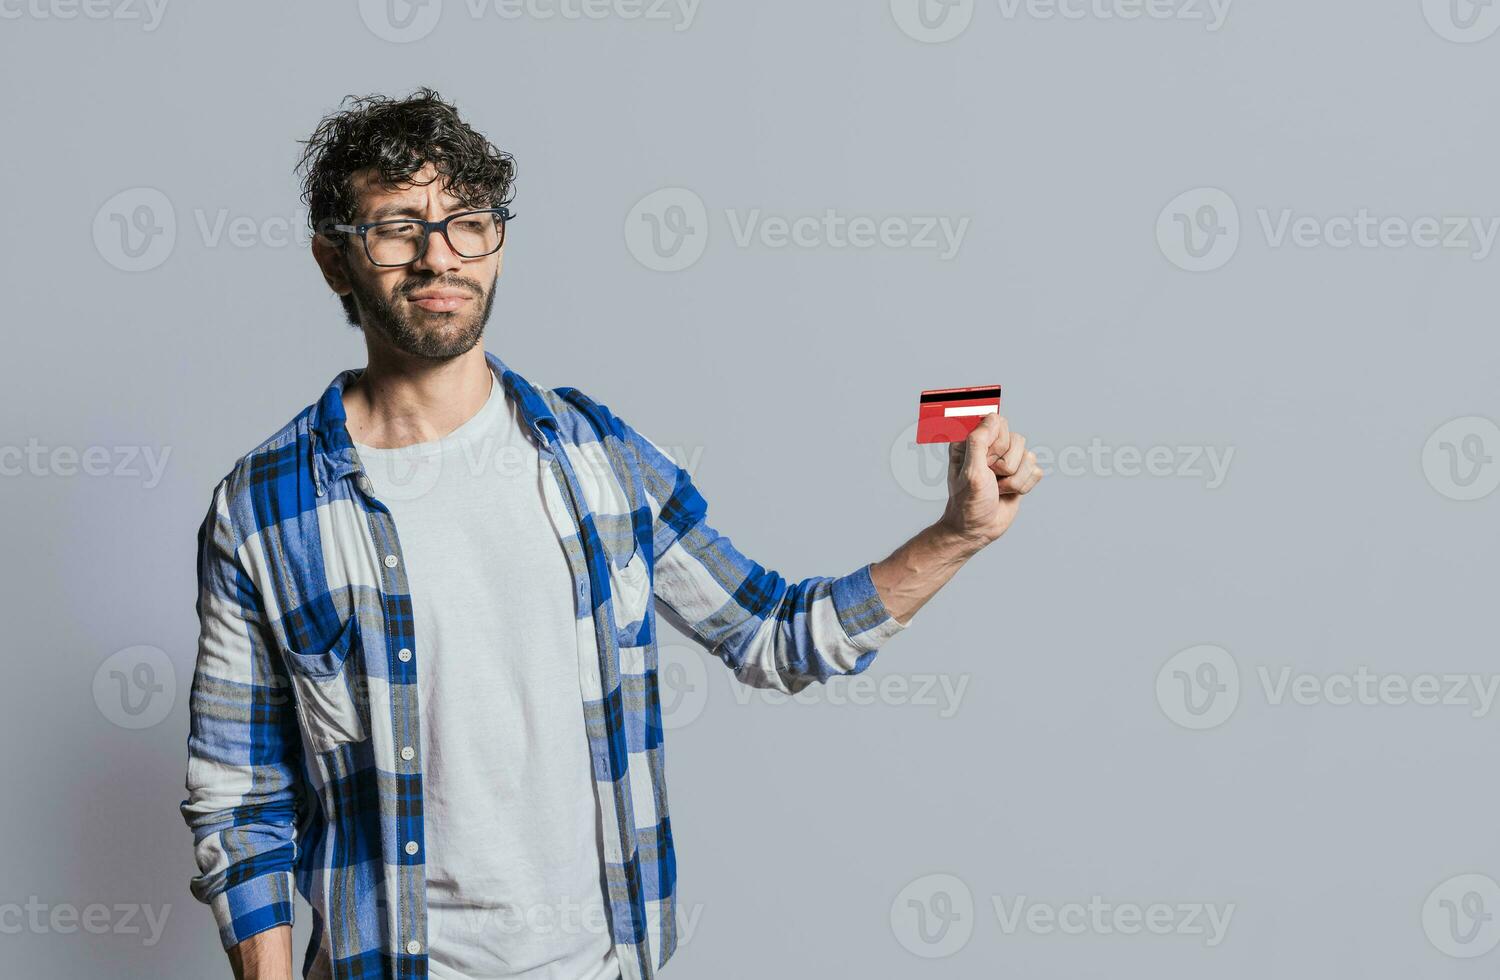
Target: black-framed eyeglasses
(401, 241)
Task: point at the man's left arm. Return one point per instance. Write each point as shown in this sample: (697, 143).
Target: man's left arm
(783, 635)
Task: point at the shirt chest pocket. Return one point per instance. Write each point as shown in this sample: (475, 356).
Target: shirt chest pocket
(630, 589)
(329, 687)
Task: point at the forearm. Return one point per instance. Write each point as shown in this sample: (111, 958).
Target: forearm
(914, 572)
(264, 956)
(773, 633)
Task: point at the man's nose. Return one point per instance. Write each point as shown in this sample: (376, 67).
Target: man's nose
(438, 257)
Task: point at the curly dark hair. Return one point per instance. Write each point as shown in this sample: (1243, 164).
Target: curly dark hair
(395, 138)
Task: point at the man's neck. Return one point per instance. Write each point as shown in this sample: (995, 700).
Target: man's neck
(400, 400)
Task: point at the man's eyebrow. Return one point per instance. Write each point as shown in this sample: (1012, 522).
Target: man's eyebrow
(398, 210)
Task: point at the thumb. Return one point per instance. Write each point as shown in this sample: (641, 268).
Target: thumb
(961, 456)
(976, 446)
(958, 455)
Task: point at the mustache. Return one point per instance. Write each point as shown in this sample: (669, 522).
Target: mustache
(452, 282)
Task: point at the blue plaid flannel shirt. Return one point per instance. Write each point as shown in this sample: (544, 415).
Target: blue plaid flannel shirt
(304, 694)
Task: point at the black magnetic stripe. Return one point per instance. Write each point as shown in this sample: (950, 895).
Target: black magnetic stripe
(962, 396)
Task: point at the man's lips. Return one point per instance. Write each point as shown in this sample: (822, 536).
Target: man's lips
(440, 300)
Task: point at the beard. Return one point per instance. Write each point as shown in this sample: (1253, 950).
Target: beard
(411, 330)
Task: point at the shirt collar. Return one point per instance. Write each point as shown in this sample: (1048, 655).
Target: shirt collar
(333, 450)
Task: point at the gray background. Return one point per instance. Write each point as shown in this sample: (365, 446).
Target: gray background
(788, 377)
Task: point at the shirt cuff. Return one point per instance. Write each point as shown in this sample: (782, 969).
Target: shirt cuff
(253, 906)
(861, 611)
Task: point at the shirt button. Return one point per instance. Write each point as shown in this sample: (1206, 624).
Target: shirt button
(408, 753)
(411, 847)
(390, 561)
(403, 654)
(413, 947)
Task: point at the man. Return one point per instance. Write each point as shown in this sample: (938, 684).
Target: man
(426, 682)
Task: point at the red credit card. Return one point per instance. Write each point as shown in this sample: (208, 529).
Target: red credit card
(950, 414)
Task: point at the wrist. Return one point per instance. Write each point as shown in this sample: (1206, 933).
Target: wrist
(954, 543)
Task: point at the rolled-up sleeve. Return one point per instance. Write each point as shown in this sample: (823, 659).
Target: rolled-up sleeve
(771, 632)
(244, 752)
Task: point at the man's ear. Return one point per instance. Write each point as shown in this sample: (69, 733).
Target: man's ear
(330, 258)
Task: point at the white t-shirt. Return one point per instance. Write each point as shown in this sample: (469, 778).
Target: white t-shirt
(514, 875)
